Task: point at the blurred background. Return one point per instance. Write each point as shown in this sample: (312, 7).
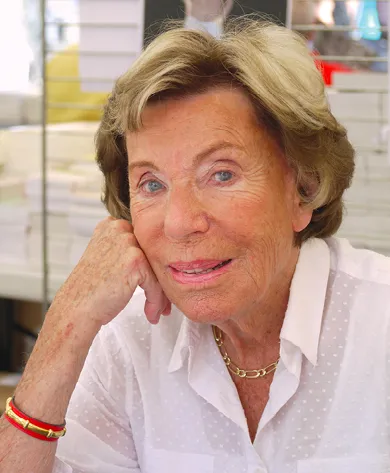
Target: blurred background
(59, 59)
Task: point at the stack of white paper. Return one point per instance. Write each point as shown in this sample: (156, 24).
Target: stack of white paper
(364, 113)
(66, 143)
(94, 177)
(57, 224)
(57, 248)
(59, 189)
(32, 106)
(11, 188)
(20, 107)
(85, 212)
(14, 222)
(11, 110)
(57, 244)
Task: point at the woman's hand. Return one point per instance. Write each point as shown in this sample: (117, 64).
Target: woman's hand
(208, 10)
(107, 275)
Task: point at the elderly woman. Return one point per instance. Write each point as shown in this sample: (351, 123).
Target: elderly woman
(276, 354)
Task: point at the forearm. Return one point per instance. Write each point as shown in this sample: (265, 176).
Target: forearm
(44, 391)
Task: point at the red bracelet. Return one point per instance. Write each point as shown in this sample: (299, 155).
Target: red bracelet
(33, 427)
(30, 432)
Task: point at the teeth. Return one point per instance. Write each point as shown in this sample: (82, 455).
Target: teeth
(200, 271)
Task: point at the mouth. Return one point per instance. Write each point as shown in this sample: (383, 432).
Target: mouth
(198, 271)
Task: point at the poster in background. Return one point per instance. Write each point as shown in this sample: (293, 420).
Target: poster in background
(155, 12)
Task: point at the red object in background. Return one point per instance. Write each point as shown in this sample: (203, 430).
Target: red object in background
(328, 68)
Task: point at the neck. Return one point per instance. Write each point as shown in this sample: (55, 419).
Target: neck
(254, 337)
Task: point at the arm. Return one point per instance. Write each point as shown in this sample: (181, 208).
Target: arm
(97, 290)
(99, 436)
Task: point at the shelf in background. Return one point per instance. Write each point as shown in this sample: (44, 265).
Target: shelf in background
(19, 282)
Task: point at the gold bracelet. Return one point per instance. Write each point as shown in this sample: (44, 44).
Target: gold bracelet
(27, 425)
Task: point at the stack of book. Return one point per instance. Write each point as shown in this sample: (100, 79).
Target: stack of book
(60, 186)
(85, 212)
(14, 221)
(360, 102)
(67, 143)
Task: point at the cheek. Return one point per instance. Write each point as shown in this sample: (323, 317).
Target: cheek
(261, 212)
(145, 223)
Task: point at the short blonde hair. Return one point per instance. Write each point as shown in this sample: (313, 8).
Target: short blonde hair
(275, 68)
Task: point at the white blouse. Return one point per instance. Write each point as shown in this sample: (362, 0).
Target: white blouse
(159, 399)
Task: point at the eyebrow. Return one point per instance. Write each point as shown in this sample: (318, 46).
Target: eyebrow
(220, 145)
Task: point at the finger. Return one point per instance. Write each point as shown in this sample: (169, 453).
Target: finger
(168, 309)
(153, 312)
(152, 319)
(156, 300)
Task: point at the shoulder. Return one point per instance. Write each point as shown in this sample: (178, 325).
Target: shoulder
(360, 284)
(360, 264)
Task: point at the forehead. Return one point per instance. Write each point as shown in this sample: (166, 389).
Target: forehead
(218, 114)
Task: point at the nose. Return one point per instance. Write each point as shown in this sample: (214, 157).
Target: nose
(185, 214)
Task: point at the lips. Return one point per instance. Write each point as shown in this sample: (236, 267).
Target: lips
(199, 274)
(199, 266)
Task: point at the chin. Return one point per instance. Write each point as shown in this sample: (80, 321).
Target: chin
(213, 299)
(206, 309)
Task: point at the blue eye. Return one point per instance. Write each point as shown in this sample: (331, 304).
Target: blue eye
(223, 176)
(152, 186)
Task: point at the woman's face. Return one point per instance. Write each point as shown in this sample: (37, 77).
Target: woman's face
(213, 203)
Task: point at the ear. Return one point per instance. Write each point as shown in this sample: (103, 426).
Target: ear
(302, 214)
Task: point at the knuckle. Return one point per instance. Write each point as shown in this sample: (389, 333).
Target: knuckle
(137, 263)
(129, 240)
(104, 223)
(137, 258)
(122, 225)
(112, 226)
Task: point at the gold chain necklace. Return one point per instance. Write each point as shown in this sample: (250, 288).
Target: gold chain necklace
(233, 368)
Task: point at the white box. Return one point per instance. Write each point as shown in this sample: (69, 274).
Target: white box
(111, 11)
(106, 67)
(11, 107)
(360, 80)
(114, 39)
(348, 106)
(363, 134)
(111, 27)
